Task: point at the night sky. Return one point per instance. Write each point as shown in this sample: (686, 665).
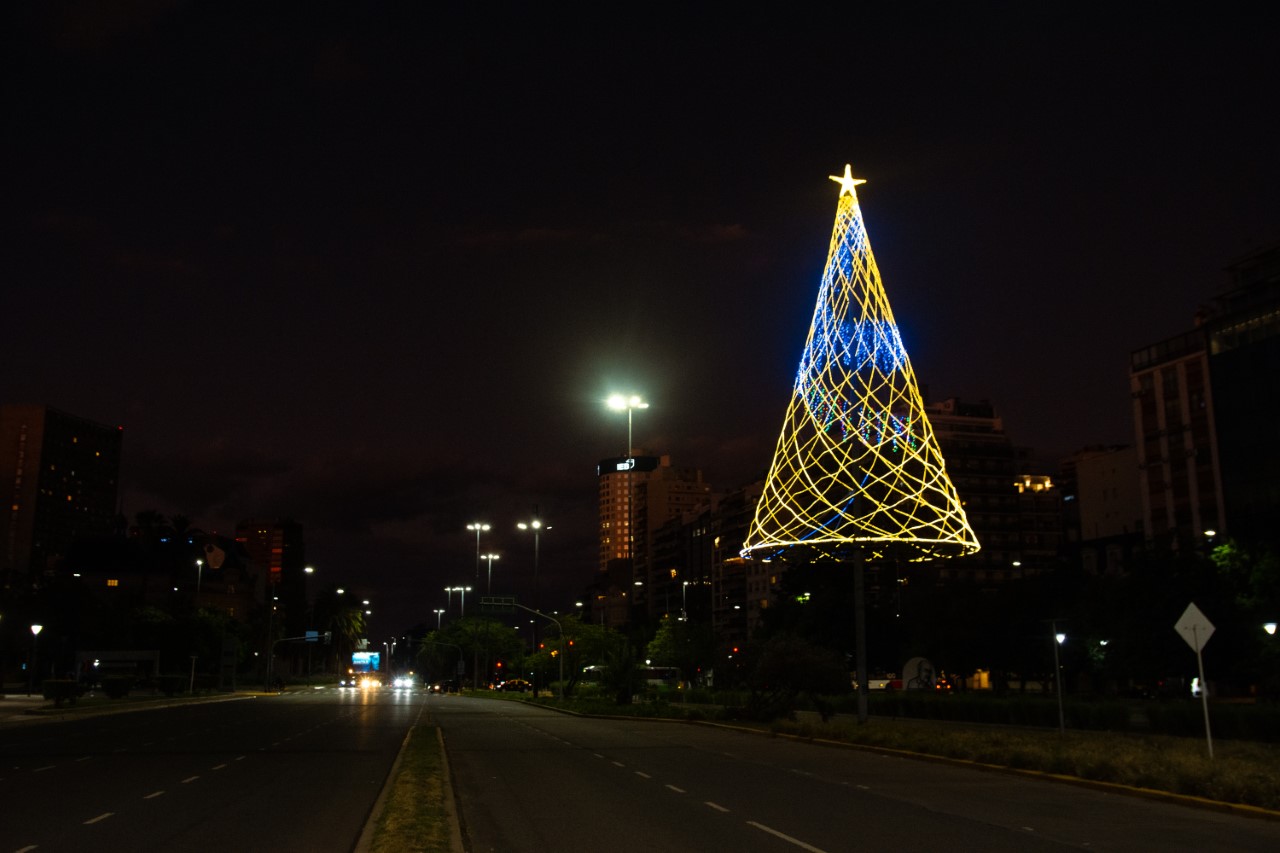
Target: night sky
(378, 274)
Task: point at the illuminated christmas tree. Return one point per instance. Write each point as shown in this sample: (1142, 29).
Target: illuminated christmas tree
(857, 467)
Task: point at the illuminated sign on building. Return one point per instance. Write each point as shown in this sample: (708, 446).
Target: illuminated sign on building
(626, 463)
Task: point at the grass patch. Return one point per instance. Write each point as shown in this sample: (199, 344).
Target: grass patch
(414, 816)
(1240, 772)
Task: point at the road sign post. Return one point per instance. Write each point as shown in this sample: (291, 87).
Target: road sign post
(1196, 629)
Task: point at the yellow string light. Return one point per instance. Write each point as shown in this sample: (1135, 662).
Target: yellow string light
(857, 465)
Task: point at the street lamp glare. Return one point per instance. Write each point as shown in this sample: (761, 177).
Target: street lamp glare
(36, 629)
(1269, 627)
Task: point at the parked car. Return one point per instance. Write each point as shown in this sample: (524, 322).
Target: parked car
(518, 685)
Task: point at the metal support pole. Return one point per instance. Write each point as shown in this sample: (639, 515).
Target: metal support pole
(860, 635)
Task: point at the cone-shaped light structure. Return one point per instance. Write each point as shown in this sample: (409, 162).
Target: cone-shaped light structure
(857, 466)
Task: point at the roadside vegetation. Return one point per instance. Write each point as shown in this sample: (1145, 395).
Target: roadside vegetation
(415, 815)
(1241, 771)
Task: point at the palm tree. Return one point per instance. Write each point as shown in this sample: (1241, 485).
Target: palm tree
(332, 613)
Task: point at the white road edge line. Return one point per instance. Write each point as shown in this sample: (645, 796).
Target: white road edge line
(715, 806)
(796, 841)
(102, 816)
(153, 795)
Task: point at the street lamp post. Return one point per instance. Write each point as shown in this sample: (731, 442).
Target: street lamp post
(35, 657)
(536, 527)
(618, 402)
(439, 615)
(1058, 639)
(199, 573)
(462, 590)
(478, 526)
(490, 558)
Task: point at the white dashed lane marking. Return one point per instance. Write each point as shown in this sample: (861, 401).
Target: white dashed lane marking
(716, 806)
(190, 779)
(796, 841)
(153, 795)
(677, 790)
(102, 816)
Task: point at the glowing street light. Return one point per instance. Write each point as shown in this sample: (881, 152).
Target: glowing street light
(490, 558)
(536, 527)
(463, 590)
(478, 527)
(439, 616)
(35, 651)
(1059, 638)
(199, 572)
(618, 402)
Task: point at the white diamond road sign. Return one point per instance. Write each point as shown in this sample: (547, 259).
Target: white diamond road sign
(1194, 627)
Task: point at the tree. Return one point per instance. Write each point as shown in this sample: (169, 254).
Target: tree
(688, 646)
(344, 620)
(786, 666)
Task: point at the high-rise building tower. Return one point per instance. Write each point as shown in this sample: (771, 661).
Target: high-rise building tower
(61, 474)
(277, 551)
(1178, 472)
(1205, 405)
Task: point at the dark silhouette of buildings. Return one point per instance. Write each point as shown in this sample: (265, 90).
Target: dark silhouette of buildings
(61, 476)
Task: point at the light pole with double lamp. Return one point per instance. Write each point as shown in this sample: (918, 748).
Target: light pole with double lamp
(490, 558)
(618, 402)
(478, 527)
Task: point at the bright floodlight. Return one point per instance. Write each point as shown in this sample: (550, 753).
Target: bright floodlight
(1269, 627)
(618, 402)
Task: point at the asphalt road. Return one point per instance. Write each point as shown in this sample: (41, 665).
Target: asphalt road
(528, 779)
(297, 772)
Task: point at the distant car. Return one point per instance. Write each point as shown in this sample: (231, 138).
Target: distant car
(404, 682)
(516, 685)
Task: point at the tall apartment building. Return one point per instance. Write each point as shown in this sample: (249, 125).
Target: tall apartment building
(1015, 511)
(1102, 508)
(638, 495)
(278, 553)
(1178, 469)
(618, 477)
(62, 475)
(1206, 403)
(1243, 332)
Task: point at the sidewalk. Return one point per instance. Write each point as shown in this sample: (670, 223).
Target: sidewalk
(15, 706)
